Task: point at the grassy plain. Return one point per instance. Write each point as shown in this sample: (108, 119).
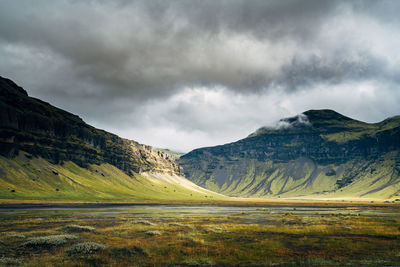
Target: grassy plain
(277, 234)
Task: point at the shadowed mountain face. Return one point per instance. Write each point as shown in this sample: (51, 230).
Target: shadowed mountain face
(319, 152)
(31, 125)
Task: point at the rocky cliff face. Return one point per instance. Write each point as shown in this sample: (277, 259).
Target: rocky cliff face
(41, 129)
(317, 152)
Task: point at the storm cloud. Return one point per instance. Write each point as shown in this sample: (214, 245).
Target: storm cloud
(183, 74)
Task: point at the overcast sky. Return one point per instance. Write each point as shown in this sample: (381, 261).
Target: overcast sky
(186, 74)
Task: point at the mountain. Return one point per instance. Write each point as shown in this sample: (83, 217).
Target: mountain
(49, 153)
(317, 154)
(175, 155)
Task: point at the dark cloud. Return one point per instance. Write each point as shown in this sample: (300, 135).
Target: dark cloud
(157, 47)
(111, 60)
(336, 70)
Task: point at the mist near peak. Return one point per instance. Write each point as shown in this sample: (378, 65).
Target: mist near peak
(300, 120)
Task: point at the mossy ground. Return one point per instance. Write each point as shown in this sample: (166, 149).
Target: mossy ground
(209, 236)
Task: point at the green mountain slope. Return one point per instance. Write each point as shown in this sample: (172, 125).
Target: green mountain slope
(49, 154)
(320, 154)
(28, 178)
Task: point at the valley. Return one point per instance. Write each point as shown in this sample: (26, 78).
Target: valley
(49, 154)
(320, 189)
(210, 133)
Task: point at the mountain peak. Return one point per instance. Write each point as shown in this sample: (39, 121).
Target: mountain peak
(315, 120)
(9, 87)
(324, 114)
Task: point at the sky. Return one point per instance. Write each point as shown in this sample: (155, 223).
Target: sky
(188, 74)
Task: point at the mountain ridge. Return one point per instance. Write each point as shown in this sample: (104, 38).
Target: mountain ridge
(318, 146)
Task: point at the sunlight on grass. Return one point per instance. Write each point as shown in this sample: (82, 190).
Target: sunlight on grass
(159, 236)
